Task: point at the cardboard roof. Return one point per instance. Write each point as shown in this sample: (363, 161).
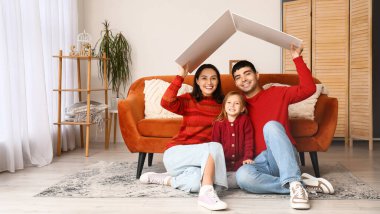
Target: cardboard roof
(222, 29)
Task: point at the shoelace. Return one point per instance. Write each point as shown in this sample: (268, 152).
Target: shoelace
(299, 192)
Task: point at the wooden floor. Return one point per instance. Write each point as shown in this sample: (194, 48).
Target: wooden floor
(17, 189)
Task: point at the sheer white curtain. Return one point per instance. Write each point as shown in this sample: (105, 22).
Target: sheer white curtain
(31, 31)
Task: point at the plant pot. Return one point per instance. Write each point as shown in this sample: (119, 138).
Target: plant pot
(114, 101)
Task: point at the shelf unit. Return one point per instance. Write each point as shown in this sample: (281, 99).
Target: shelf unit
(79, 90)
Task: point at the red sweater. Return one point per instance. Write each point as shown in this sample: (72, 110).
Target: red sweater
(237, 140)
(197, 116)
(272, 104)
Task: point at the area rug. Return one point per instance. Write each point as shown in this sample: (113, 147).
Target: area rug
(118, 180)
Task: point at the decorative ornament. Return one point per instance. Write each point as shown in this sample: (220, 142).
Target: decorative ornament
(83, 44)
(73, 51)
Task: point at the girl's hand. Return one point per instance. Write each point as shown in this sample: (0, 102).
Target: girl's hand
(183, 71)
(296, 51)
(248, 161)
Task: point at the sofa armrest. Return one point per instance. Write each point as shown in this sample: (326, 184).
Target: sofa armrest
(131, 110)
(326, 115)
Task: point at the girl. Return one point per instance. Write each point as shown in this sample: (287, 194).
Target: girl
(233, 129)
(193, 162)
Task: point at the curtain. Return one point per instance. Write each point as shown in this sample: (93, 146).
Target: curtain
(31, 32)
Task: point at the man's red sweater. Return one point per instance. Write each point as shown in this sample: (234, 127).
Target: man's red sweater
(197, 116)
(272, 104)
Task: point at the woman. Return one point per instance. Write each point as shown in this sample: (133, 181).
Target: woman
(194, 164)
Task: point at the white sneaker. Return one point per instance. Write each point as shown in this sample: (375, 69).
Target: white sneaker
(314, 184)
(155, 178)
(299, 199)
(209, 199)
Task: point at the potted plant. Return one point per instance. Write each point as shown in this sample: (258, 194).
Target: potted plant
(118, 50)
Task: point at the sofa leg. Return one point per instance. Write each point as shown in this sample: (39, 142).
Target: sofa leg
(140, 164)
(150, 159)
(302, 158)
(314, 161)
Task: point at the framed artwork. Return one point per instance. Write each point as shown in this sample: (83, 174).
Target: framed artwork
(232, 63)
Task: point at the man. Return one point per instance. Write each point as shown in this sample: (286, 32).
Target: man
(275, 168)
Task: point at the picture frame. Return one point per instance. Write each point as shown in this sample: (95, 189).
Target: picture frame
(232, 62)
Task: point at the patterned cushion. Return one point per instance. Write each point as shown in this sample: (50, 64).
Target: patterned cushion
(154, 90)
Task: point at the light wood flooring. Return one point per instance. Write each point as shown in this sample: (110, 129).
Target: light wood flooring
(17, 189)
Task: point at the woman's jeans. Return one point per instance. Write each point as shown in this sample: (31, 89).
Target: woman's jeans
(186, 163)
(274, 168)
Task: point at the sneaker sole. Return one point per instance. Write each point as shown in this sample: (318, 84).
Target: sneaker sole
(300, 206)
(211, 208)
(324, 181)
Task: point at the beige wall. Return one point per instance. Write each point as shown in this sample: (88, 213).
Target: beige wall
(160, 30)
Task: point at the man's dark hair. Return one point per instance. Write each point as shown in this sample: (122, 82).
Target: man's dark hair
(242, 64)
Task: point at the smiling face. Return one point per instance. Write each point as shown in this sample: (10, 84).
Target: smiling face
(247, 81)
(207, 81)
(233, 106)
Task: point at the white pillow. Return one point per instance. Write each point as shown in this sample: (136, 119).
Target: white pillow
(154, 90)
(305, 108)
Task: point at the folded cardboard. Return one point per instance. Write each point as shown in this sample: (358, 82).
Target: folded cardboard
(222, 29)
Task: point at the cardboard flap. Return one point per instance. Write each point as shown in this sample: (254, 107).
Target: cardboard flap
(214, 37)
(265, 33)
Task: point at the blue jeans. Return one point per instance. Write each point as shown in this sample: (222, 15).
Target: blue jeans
(275, 167)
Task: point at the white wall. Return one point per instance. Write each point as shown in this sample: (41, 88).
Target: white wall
(160, 30)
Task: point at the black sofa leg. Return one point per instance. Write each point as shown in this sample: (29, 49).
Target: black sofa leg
(150, 159)
(314, 161)
(302, 158)
(140, 164)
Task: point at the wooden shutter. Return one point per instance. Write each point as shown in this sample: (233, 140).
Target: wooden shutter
(297, 22)
(330, 61)
(361, 121)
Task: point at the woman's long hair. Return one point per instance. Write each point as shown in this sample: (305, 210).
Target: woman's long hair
(223, 114)
(217, 95)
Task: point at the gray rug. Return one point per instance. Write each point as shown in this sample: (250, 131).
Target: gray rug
(117, 180)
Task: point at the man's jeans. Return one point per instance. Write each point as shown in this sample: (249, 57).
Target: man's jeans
(275, 167)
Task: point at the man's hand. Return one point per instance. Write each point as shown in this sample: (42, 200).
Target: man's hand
(183, 71)
(296, 51)
(248, 161)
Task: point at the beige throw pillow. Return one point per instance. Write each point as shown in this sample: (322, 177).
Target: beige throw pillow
(154, 90)
(304, 109)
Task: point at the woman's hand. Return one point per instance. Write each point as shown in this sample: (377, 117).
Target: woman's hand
(248, 161)
(296, 51)
(183, 71)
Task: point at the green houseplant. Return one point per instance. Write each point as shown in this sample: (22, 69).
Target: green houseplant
(118, 50)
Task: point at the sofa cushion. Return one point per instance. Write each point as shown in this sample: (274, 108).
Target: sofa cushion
(163, 127)
(305, 108)
(154, 90)
(303, 127)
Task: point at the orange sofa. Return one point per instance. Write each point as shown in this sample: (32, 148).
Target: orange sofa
(151, 135)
